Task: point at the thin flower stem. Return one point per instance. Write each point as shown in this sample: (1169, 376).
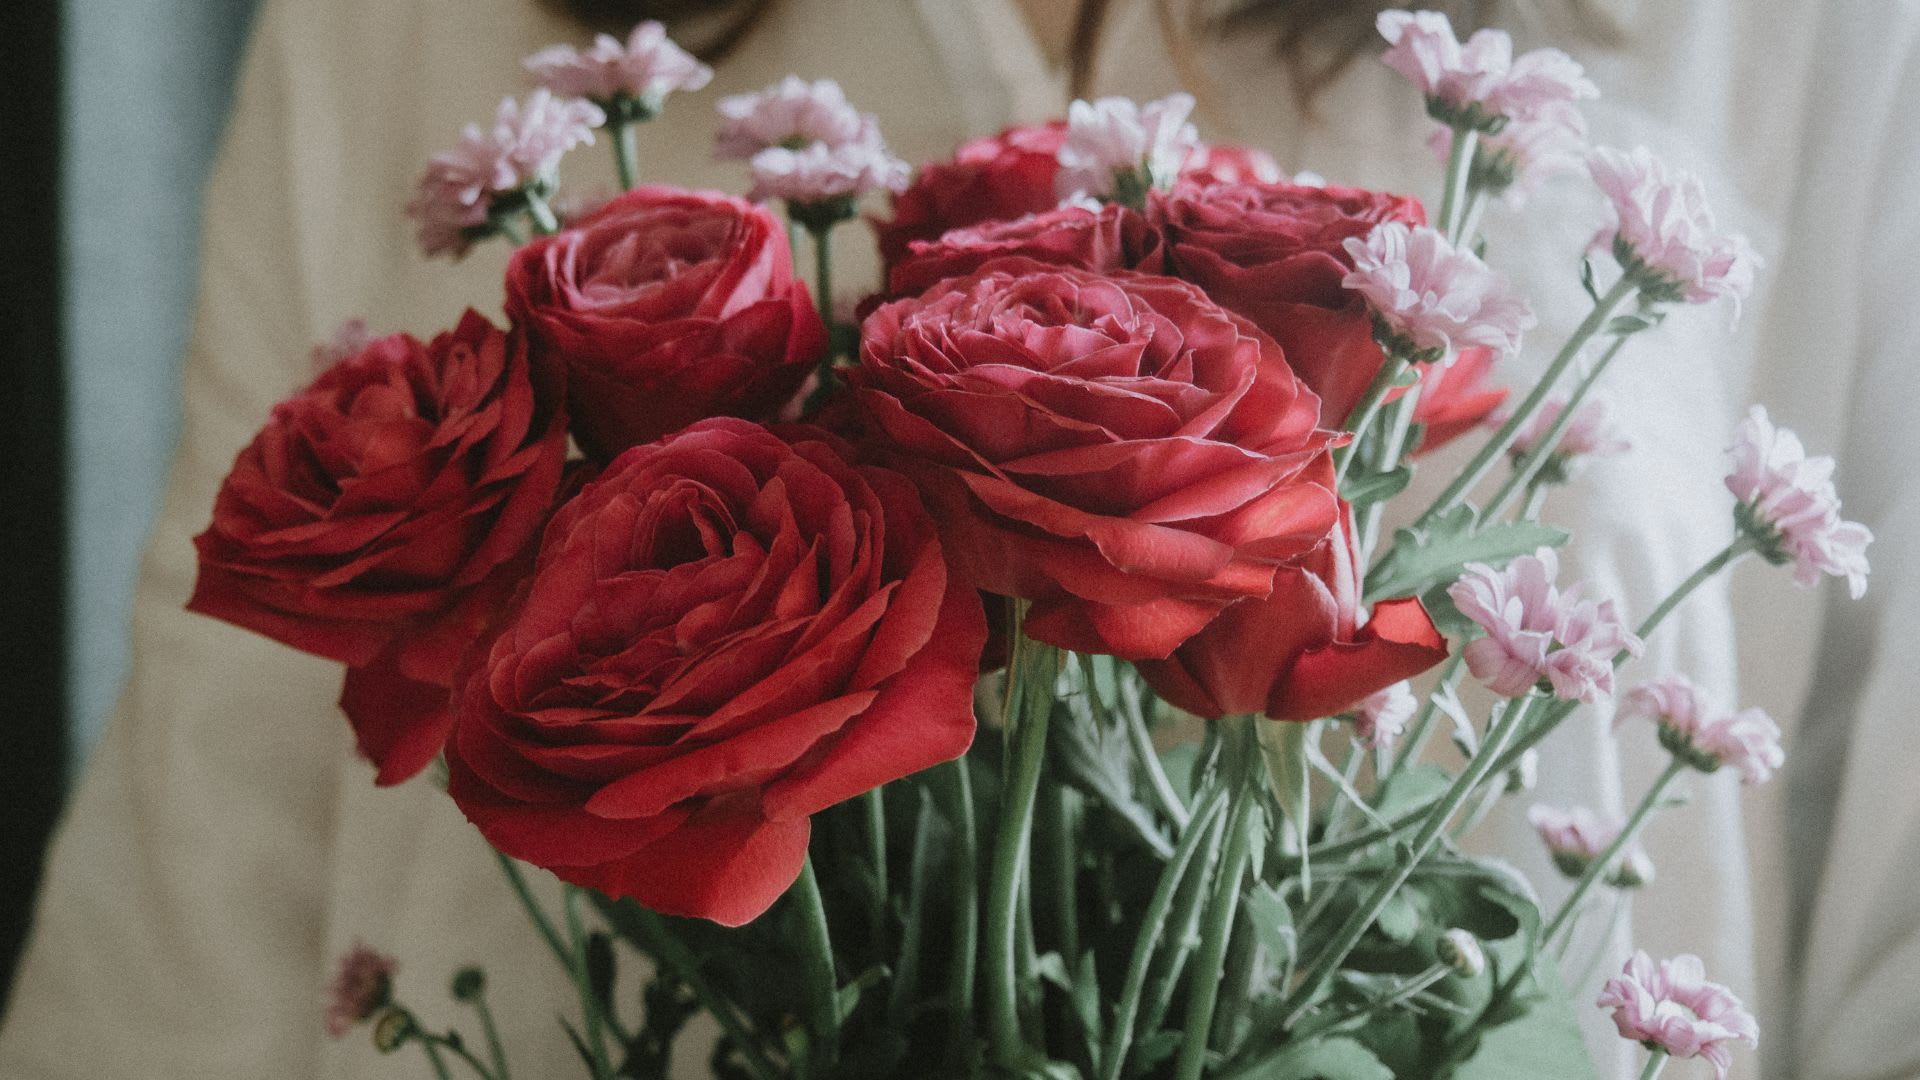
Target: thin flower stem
(1529, 466)
(626, 153)
(1203, 990)
(1344, 785)
(432, 1047)
(1183, 929)
(876, 813)
(1597, 869)
(823, 276)
(1454, 196)
(1595, 321)
(966, 909)
(673, 954)
(1501, 729)
(1536, 500)
(596, 1035)
(1655, 1062)
(434, 1043)
(823, 987)
(1141, 741)
(534, 912)
(508, 229)
(541, 214)
(1470, 221)
(1030, 696)
(1152, 924)
(1414, 743)
(491, 1031)
(1364, 412)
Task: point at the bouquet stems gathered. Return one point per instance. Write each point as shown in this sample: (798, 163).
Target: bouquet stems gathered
(1106, 469)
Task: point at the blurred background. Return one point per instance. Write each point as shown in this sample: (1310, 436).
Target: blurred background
(119, 110)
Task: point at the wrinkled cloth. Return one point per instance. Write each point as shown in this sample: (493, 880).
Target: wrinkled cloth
(226, 846)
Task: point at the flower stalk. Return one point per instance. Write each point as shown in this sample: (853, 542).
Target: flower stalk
(1598, 867)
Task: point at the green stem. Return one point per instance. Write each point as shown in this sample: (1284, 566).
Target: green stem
(495, 1048)
(966, 910)
(509, 230)
(1152, 924)
(541, 214)
(1141, 740)
(906, 967)
(1414, 742)
(434, 1043)
(1655, 1062)
(876, 813)
(626, 153)
(823, 276)
(1470, 221)
(1501, 730)
(1183, 930)
(673, 954)
(1344, 786)
(534, 912)
(1536, 500)
(1026, 733)
(1529, 466)
(823, 987)
(1203, 989)
(1453, 198)
(1595, 321)
(432, 1046)
(1364, 412)
(1597, 869)
(1062, 865)
(596, 1035)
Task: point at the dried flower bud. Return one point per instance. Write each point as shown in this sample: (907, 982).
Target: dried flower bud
(1461, 951)
(469, 983)
(392, 1029)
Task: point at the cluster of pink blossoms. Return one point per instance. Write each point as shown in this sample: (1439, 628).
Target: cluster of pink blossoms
(1663, 227)
(1535, 632)
(523, 148)
(1479, 83)
(1788, 504)
(805, 143)
(1433, 295)
(635, 74)
(1381, 716)
(1575, 836)
(1672, 1007)
(1117, 148)
(1747, 740)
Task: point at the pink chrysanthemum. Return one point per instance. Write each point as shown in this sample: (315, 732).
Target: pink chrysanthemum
(818, 173)
(362, 984)
(1434, 295)
(1536, 632)
(1575, 836)
(793, 113)
(1118, 148)
(1662, 223)
(1525, 154)
(1590, 434)
(1381, 716)
(1691, 729)
(523, 148)
(1788, 504)
(1480, 80)
(645, 68)
(1672, 1007)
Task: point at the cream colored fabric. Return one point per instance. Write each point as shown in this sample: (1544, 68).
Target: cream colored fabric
(225, 845)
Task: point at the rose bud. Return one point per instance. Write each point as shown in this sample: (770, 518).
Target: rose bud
(725, 633)
(996, 178)
(1119, 450)
(1302, 652)
(1100, 239)
(382, 515)
(665, 307)
(1275, 253)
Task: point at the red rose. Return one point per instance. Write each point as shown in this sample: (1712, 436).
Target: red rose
(1455, 398)
(1230, 165)
(665, 307)
(1297, 654)
(1272, 252)
(1119, 450)
(996, 178)
(726, 633)
(378, 519)
(1111, 238)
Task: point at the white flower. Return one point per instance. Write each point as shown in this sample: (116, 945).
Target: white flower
(1789, 505)
(1433, 294)
(1381, 716)
(1747, 741)
(1478, 81)
(792, 113)
(1522, 156)
(1113, 144)
(1662, 221)
(646, 67)
(818, 173)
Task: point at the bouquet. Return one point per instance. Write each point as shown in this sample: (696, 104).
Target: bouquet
(1034, 676)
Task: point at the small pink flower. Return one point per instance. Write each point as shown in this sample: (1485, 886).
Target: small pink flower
(362, 984)
(1590, 434)
(1480, 76)
(1674, 1008)
(1113, 144)
(1525, 154)
(1692, 730)
(1789, 504)
(1381, 716)
(1536, 632)
(818, 173)
(350, 338)
(793, 113)
(1575, 836)
(646, 68)
(1661, 221)
(523, 148)
(1434, 295)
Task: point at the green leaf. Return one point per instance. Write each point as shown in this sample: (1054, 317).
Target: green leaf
(1410, 787)
(1399, 920)
(1435, 554)
(1327, 1059)
(1097, 762)
(1544, 1041)
(1586, 279)
(1376, 487)
(1622, 325)
(1273, 924)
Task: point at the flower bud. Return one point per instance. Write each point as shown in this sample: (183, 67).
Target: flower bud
(469, 983)
(392, 1029)
(1461, 951)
